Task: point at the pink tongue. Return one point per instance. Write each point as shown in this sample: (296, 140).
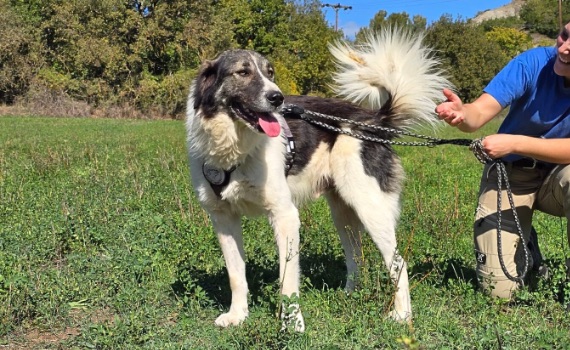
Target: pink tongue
(269, 125)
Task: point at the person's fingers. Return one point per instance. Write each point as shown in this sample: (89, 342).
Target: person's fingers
(456, 121)
(447, 93)
(451, 96)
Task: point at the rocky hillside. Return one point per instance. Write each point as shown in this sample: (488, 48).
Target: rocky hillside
(508, 10)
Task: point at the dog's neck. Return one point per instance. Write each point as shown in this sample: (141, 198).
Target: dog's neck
(224, 143)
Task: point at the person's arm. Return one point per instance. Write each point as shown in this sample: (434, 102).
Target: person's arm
(467, 117)
(470, 117)
(549, 150)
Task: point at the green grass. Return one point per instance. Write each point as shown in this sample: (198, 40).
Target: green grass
(103, 246)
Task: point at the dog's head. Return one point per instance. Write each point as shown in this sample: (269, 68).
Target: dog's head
(241, 84)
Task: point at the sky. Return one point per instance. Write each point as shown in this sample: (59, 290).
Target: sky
(350, 20)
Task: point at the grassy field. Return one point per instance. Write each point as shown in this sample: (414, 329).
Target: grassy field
(103, 246)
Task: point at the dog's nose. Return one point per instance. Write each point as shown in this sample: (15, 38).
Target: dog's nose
(275, 98)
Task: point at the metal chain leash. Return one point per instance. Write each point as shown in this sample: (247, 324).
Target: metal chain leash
(431, 141)
(502, 177)
(475, 146)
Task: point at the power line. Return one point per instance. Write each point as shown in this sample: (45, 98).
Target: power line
(336, 8)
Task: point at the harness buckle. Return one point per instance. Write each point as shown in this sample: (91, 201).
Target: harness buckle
(292, 110)
(216, 176)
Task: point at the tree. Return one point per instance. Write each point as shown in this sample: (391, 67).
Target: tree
(144, 53)
(304, 54)
(294, 35)
(258, 24)
(400, 20)
(541, 16)
(122, 51)
(19, 58)
(471, 63)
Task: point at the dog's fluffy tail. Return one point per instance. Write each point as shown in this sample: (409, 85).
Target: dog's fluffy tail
(392, 66)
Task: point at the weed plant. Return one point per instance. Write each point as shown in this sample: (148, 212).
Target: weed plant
(103, 246)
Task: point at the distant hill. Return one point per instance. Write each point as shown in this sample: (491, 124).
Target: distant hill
(508, 10)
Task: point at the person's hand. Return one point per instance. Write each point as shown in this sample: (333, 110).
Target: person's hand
(450, 111)
(499, 145)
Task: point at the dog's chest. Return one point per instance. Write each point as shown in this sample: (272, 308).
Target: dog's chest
(244, 197)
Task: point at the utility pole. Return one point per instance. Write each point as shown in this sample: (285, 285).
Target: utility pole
(336, 8)
(560, 13)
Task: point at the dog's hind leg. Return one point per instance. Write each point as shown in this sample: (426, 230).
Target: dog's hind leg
(286, 225)
(228, 230)
(350, 232)
(379, 212)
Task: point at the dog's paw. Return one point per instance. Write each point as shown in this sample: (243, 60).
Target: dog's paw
(293, 319)
(401, 317)
(230, 319)
(350, 286)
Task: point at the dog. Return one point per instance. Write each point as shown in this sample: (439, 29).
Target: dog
(241, 161)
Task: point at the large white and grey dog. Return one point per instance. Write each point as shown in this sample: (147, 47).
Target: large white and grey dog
(240, 162)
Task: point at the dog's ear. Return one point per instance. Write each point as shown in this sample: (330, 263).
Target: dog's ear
(205, 80)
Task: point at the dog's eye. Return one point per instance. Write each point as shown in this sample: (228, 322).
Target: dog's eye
(271, 72)
(243, 72)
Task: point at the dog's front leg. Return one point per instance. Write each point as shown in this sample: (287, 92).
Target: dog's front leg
(228, 230)
(286, 225)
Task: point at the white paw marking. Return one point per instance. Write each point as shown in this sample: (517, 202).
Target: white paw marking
(230, 319)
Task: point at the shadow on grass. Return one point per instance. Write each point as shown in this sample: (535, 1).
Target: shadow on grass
(440, 272)
(553, 285)
(323, 271)
(320, 271)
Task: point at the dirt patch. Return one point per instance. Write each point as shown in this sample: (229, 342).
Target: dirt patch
(35, 338)
(40, 339)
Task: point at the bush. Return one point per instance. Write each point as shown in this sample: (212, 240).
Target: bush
(169, 94)
(19, 58)
(512, 41)
(43, 100)
(506, 22)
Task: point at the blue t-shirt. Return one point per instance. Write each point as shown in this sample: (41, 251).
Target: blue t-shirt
(540, 104)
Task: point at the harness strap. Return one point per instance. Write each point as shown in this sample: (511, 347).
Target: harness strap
(290, 144)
